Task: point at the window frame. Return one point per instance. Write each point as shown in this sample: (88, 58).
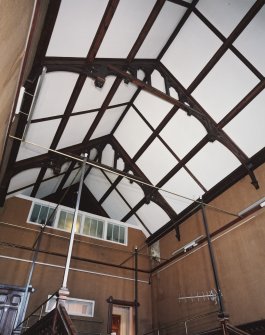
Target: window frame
(85, 301)
(83, 215)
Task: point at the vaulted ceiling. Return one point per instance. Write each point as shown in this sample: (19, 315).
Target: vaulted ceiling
(169, 93)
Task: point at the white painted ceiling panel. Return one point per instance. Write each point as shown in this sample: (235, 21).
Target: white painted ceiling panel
(112, 176)
(212, 163)
(158, 81)
(75, 27)
(92, 154)
(54, 94)
(48, 187)
(247, 129)
(108, 121)
(92, 97)
(115, 206)
(153, 108)
(26, 191)
(124, 93)
(23, 179)
(49, 172)
(168, 18)
(131, 192)
(41, 134)
(97, 183)
(228, 75)
(76, 129)
(133, 220)
(153, 216)
(216, 12)
(182, 133)
(73, 178)
(125, 27)
(132, 132)
(156, 161)
(251, 41)
(184, 185)
(190, 52)
(108, 156)
(177, 203)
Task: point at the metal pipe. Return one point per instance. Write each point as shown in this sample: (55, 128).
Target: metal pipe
(70, 249)
(213, 263)
(136, 290)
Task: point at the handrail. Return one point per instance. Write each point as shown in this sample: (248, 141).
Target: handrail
(235, 330)
(35, 310)
(181, 321)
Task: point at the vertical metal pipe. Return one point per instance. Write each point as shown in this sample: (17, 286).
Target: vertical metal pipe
(70, 248)
(214, 268)
(136, 289)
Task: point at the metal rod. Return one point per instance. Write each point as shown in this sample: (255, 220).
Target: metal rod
(135, 179)
(70, 249)
(34, 101)
(136, 290)
(214, 268)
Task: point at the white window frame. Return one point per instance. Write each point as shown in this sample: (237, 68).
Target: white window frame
(92, 302)
(83, 215)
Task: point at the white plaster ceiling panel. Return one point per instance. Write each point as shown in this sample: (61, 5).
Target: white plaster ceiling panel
(54, 94)
(76, 129)
(49, 172)
(251, 41)
(48, 187)
(158, 81)
(73, 178)
(97, 183)
(216, 12)
(41, 134)
(115, 206)
(23, 179)
(108, 121)
(120, 164)
(152, 108)
(228, 82)
(92, 97)
(133, 220)
(108, 156)
(26, 191)
(182, 133)
(92, 154)
(184, 185)
(75, 27)
(132, 132)
(126, 25)
(168, 18)
(131, 192)
(212, 163)
(124, 93)
(247, 129)
(177, 203)
(156, 161)
(190, 51)
(112, 176)
(153, 216)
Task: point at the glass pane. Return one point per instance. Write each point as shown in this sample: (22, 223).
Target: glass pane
(86, 227)
(122, 235)
(61, 221)
(93, 228)
(100, 229)
(68, 222)
(109, 232)
(35, 213)
(43, 214)
(78, 224)
(50, 216)
(116, 233)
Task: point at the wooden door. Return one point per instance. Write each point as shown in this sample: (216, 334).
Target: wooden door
(10, 299)
(116, 324)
